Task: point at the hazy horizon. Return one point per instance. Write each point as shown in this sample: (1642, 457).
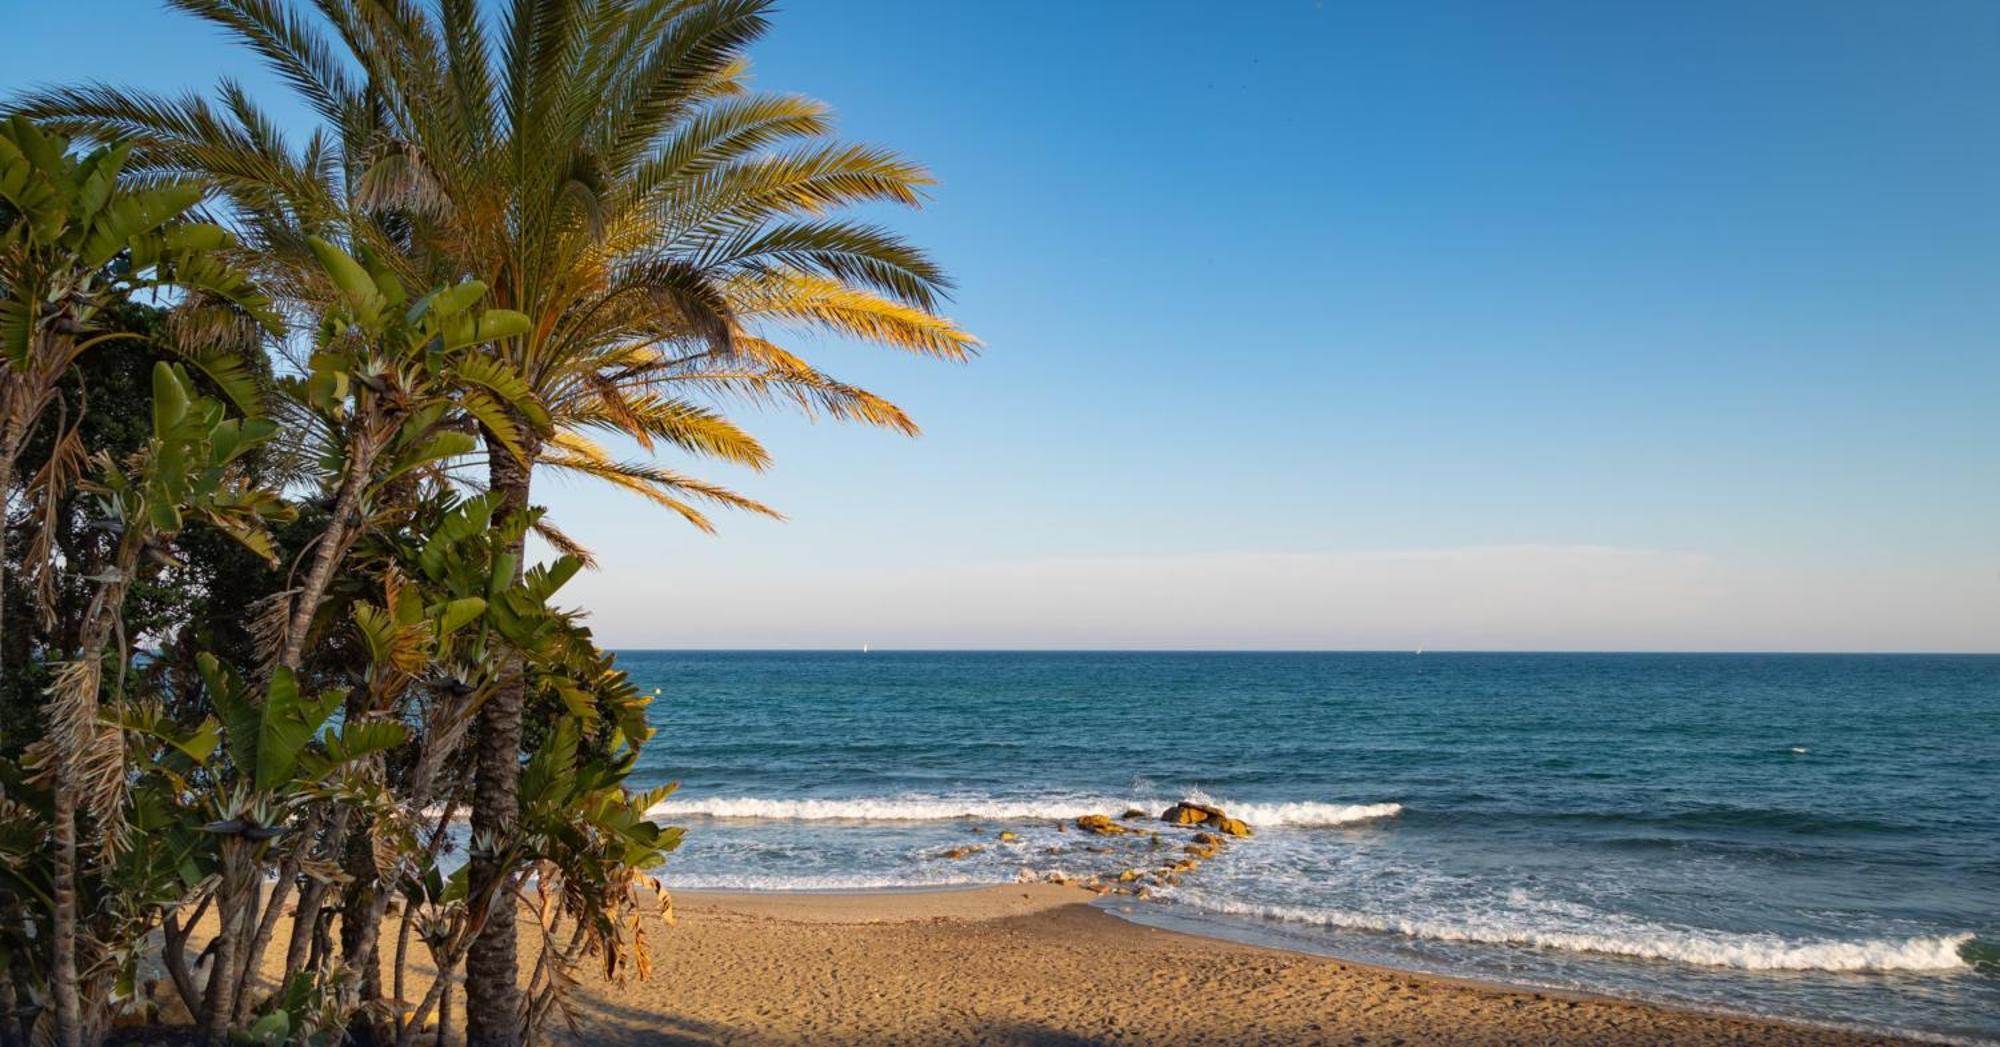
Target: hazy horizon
(1545, 326)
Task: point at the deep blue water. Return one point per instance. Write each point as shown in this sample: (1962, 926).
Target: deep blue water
(1812, 836)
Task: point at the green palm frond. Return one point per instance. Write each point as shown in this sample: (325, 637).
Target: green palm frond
(288, 44)
(854, 252)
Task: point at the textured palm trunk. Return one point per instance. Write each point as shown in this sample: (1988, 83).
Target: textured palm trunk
(340, 533)
(62, 968)
(6, 498)
(13, 433)
(63, 983)
(492, 991)
(231, 907)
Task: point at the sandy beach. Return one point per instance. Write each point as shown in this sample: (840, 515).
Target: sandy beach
(1035, 964)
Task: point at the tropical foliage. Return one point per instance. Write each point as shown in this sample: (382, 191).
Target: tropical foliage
(275, 653)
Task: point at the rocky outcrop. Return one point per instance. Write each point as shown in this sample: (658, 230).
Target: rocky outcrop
(1185, 813)
(1102, 825)
(960, 852)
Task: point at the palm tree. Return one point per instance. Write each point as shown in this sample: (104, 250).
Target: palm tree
(605, 170)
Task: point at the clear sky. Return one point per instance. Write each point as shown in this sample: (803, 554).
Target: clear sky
(1328, 325)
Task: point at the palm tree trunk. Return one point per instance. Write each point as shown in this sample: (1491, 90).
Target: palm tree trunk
(492, 992)
(340, 532)
(104, 607)
(231, 911)
(62, 970)
(12, 435)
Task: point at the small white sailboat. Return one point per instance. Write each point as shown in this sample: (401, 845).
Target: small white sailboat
(864, 648)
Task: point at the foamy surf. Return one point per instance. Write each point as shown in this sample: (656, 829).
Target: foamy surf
(1311, 814)
(945, 808)
(1750, 952)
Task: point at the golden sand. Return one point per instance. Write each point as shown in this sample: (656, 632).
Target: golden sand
(1033, 964)
(1036, 964)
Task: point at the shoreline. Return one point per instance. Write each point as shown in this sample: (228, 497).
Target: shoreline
(1040, 963)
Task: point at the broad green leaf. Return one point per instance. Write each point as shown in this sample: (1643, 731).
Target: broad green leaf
(457, 613)
(353, 280)
(170, 399)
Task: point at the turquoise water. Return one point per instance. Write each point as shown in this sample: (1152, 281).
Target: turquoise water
(1796, 835)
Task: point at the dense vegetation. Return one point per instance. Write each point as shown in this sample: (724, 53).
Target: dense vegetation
(270, 412)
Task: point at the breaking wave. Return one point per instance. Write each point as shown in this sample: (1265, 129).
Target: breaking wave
(1748, 952)
(947, 808)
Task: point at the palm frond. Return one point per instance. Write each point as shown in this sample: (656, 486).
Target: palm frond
(293, 49)
(663, 487)
(834, 307)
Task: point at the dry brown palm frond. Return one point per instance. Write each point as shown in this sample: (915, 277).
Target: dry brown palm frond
(270, 622)
(563, 543)
(47, 493)
(72, 706)
(400, 178)
(101, 780)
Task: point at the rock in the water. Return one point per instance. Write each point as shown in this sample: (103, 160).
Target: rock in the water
(1207, 838)
(960, 852)
(1007, 837)
(1100, 824)
(1131, 813)
(1185, 813)
(1128, 876)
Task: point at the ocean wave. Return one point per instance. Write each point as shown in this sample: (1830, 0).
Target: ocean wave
(758, 882)
(1309, 814)
(1748, 952)
(948, 808)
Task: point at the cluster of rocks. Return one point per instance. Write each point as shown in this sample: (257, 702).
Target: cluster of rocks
(1185, 813)
(1215, 829)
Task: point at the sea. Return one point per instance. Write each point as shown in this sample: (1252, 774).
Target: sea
(1811, 837)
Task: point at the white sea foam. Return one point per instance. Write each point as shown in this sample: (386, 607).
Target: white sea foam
(947, 808)
(1312, 813)
(1749, 952)
(757, 882)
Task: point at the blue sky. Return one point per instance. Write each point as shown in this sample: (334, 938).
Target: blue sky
(1365, 325)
